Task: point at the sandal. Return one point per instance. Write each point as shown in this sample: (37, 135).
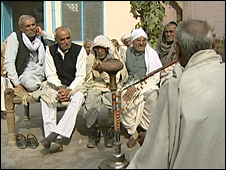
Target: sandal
(56, 146)
(21, 141)
(32, 141)
(94, 138)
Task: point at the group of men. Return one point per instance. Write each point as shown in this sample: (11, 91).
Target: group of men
(177, 115)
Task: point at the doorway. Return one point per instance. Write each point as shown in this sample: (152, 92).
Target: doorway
(34, 8)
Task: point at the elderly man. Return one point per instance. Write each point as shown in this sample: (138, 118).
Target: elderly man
(140, 60)
(25, 55)
(65, 69)
(166, 51)
(98, 96)
(119, 47)
(188, 124)
(126, 40)
(87, 45)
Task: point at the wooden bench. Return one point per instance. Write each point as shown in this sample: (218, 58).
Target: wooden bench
(10, 101)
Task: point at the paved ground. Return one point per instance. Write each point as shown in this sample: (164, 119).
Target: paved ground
(75, 153)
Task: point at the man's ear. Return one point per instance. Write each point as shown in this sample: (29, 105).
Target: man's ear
(176, 47)
(21, 29)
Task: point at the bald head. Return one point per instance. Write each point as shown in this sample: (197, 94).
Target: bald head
(61, 29)
(63, 38)
(193, 36)
(196, 28)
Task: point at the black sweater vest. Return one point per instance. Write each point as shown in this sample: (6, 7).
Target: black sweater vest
(23, 55)
(66, 68)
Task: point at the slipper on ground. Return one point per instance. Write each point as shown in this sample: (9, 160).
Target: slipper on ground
(21, 141)
(32, 141)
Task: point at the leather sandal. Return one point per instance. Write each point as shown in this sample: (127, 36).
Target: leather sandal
(109, 137)
(21, 141)
(94, 138)
(32, 141)
(131, 142)
(56, 146)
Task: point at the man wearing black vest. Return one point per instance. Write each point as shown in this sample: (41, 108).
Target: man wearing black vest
(25, 55)
(65, 69)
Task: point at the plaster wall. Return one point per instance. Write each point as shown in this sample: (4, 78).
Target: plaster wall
(212, 11)
(117, 19)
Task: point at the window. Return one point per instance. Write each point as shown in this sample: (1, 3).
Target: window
(83, 18)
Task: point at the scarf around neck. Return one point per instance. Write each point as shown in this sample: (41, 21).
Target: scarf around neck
(33, 46)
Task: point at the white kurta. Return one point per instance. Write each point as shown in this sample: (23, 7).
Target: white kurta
(187, 129)
(49, 113)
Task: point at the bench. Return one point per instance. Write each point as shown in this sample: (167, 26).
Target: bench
(10, 101)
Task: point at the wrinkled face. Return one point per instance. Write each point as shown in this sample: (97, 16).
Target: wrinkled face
(101, 52)
(140, 44)
(87, 47)
(170, 33)
(29, 28)
(63, 38)
(127, 42)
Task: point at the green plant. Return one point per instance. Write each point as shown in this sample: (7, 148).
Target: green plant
(151, 15)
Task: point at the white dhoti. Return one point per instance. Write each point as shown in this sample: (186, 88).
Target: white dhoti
(141, 106)
(140, 111)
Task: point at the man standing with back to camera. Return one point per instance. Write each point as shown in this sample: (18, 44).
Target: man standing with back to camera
(188, 123)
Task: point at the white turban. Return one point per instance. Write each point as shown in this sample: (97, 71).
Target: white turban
(105, 42)
(124, 37)
(138, 33)
(152, 60)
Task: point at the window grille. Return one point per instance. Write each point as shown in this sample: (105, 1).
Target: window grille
(83, 18)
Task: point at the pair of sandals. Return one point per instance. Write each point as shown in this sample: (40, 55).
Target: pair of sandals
(22, 142)
(96, 135)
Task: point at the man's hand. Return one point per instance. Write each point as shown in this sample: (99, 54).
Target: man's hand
(20, 86)
(96, 66)
(129, 93)
(63, 94)
(39, 31)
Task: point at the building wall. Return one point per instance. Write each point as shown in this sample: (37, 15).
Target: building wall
(212, 11)
(171, 14)
(118, 20)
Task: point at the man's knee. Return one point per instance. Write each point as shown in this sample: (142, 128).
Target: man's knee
(78, 95)
(31, 85)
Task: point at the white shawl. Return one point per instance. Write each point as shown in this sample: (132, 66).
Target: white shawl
(187, 129)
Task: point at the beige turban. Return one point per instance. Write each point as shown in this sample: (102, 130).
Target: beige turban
(138, 33)
(124, 37)
(105, 42)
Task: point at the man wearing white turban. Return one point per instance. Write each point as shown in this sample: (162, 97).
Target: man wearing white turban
(140, 60)
(126, 39)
